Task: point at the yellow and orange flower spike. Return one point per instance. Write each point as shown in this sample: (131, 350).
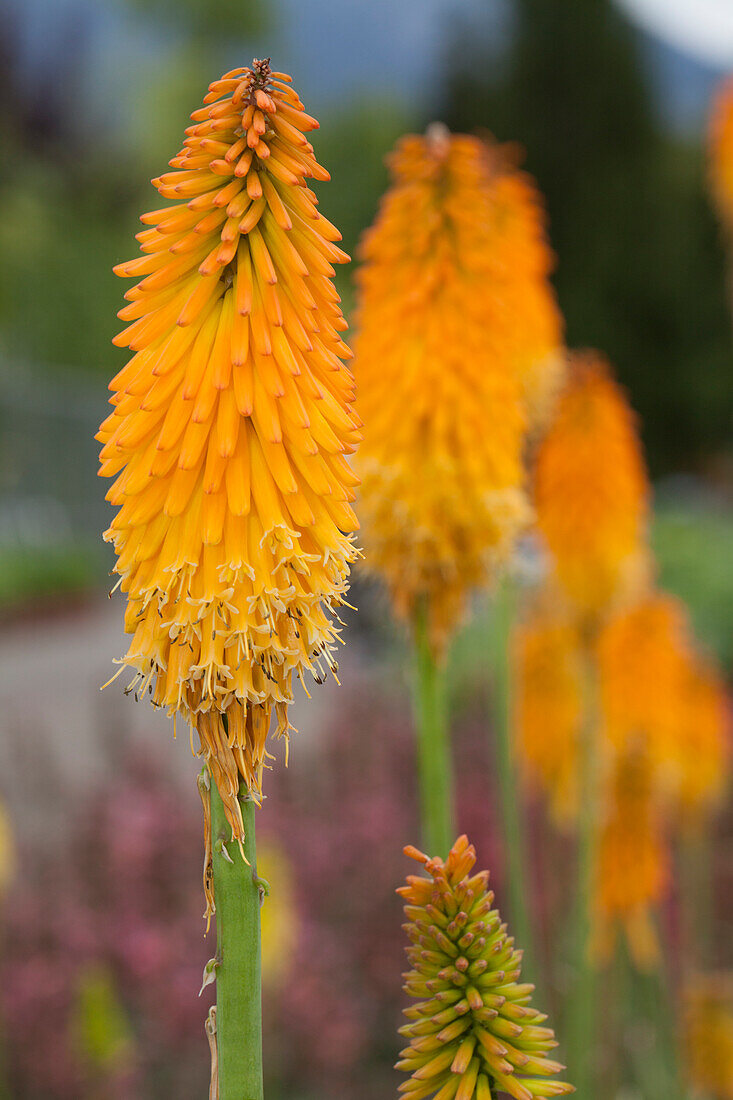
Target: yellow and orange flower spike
(230, 428)
(656, 691)
(643, 660)
(441, 462)
(591, 490)
(655, 695)
(721, 152)
(701, 751)
(520, 296)
(472, 1032)
(632, 869)
(548, 708)
(708, 1036)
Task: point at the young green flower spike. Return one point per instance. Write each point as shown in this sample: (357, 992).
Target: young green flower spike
(472, 1033)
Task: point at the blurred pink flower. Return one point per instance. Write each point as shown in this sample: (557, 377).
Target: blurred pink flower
(123, 892)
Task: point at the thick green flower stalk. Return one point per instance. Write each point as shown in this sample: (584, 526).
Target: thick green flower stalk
(472, 1032)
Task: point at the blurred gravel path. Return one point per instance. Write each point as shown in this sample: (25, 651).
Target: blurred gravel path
(60, 736)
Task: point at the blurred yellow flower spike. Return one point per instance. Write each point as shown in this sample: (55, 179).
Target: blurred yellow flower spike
(230, 430)
(456, 324)
(8, 855)
(520, 296)
(661, 744)
(708, 1024)
(548, 709)
(472, 1032)
(591, 491)
(632, 869)
(657, 693)
(721, 151)
(643, 655)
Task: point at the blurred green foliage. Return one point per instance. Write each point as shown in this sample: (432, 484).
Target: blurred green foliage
(28, 575)
(212, 20)
(58, 296)
(353, 145)
(641, 272)
(70, 201)
(694, 550)
(73, 189)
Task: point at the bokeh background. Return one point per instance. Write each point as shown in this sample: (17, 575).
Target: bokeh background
(102, 944)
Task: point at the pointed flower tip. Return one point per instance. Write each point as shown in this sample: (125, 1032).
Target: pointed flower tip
(488, 1036)
(415, 853)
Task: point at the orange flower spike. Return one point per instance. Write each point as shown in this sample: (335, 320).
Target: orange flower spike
(708, 1026)
(591, 489)
(721, 152)
(548, 709)
(521, 297)
(441, 463)
(472, 1031)
(233, 532)
(702, 749)
(643, 659)
(631, 838)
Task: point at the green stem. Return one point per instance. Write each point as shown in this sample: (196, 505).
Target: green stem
(433, 748)
(619, 1064)
(696, 898)
(509, 790)
(238, 982)
(582, 1007)
(650, 1043)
